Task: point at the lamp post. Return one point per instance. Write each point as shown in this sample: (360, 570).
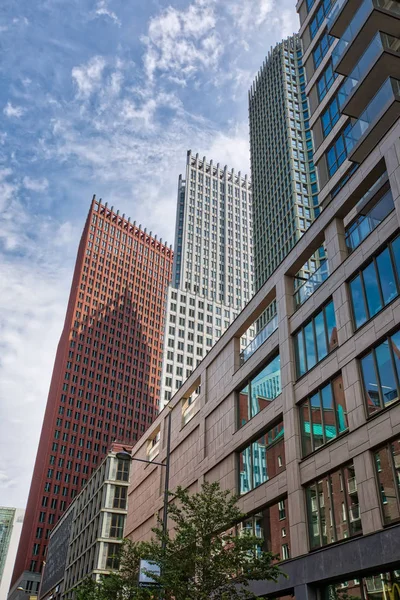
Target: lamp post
(125, 455)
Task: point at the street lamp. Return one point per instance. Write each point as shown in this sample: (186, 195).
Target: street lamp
(125, 455)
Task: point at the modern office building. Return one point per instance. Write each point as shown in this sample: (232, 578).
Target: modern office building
(86, 540)
(213, 265)
(284, 181)
(11, 520)
(107, 373)
(317, 462)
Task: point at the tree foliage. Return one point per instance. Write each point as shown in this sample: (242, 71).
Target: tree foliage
(202, 557)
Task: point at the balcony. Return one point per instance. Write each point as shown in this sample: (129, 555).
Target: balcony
(341, 14)
(260, 338)
(367, 222)
(371, 16)
(311, 284)
(153, 449)
(352, 485)
(379, 61)
(376, 120)
(189, 410)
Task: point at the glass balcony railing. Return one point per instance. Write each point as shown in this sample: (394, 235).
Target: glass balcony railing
(376, 107)
(336, 8)
(312, 284)
(358, 21)
(367, 223)
(352, 30)
(380, 42)
(260, 338)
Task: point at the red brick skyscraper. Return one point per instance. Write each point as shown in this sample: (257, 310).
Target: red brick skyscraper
(106, 378)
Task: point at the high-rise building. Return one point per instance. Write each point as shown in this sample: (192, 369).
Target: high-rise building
(285, 188)
(107, 373)
(10, 530)
(87, 539)
(213, 265)
(315, 460)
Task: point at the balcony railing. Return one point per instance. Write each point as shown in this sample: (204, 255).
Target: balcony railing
(367, 223)
(378, 105)
(312, 284)
(357, 22)
(380, 42)
(260, 338)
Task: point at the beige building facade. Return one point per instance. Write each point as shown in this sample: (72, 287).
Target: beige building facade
(306, 427)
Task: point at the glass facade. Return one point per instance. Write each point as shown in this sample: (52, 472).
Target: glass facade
(262, 460)
(381, 586)
(259, 391)
(381, 371)
(325, 81)
(323, 416)
(365, 224)
(387, 463)
(321, 48)
(319, 17)
(333, 508)
(271, 525)
(337, 152)
(377, 284)
(315, 340)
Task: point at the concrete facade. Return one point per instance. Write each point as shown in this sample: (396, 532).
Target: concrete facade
(336, 505)
(11, 520)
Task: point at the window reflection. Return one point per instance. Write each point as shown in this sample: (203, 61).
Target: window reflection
(377, 284)
(333, 508)
(323, 416)
(387, 463)
(380, 370)
(259, 391)
(314, 341)
(382, 586)
(263, 459)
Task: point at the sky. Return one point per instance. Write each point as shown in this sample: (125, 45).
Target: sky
(103, 97)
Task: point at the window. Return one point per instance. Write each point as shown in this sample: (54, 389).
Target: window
(120, 495)
(323, 416)
(264, 525)
(380, 586)
(338, 151)
(381, 370)
(117, 526)
(315, 340)
(387, 462)
(113, 551)
(321, 49)
(330, 116)
(377, 284)
(333, 508)
(326, 80)
(258, 462)
(319, 16)
(259, 391)
(122, 470)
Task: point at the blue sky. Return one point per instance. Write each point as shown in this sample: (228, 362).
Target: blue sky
(105, 97)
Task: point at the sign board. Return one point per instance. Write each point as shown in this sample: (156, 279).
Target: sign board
(147, 568)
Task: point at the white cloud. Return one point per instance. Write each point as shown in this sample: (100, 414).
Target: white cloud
(103, 10)
(7, 188)
(13, 111)
(181, 42)
(88, 76)
(251, 13)
(35, 185)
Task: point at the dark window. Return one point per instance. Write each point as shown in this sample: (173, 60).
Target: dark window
(319, 16)
(113, 551)
(315, 340)
(120, 496)
(259, 391)
(262, 460)
(330, 116)
(122, 470)
(117, 526)
(376, 284)
(333, 508)
(381, 370)
(323, 416)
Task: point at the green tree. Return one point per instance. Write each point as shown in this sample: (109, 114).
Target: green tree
(201, 558)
